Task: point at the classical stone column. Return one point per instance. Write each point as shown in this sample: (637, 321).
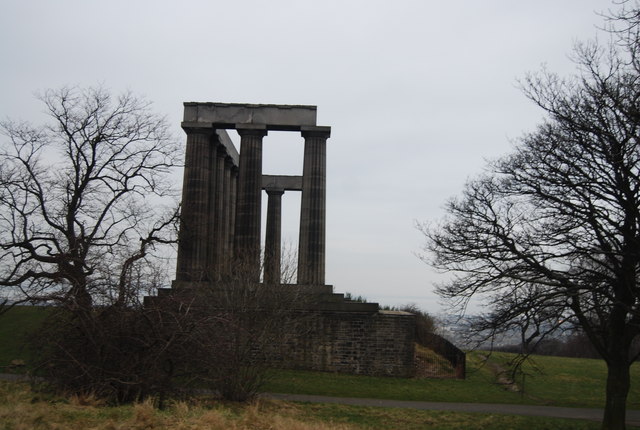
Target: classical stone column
(212, 213)
(233, 192)
(311, 252)
(249, 200)
(273, 237)
(193, 243)
(227, 213)
(218, 226)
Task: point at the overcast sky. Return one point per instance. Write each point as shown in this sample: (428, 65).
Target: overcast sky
(418, 94)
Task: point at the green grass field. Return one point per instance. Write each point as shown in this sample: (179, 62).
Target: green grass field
(558, 382)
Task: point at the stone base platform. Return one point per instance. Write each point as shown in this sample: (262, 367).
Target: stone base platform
(330, 333)
(377, 344)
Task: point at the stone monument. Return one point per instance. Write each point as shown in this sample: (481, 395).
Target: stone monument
(220, 229)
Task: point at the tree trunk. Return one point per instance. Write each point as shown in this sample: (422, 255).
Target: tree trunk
(618, 383)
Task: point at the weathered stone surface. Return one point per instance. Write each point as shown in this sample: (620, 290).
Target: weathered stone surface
(218, 239)
(273, 237)
(249, 199)
(311, 245)
(229, 147)
(282, 182)
(234, 115)
(374, 343)
(222, 138)
(195, 223)
(348, 338)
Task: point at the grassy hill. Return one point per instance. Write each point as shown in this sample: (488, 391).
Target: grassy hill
(15, 327)
(548, 380)
(553, 381)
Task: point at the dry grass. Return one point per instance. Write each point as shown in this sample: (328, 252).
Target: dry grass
(428, 364)
(21, 409)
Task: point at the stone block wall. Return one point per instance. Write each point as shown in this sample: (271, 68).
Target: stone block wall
(327, 333)
(377, 344)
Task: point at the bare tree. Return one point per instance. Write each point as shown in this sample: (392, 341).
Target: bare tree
(86, 210)
(81, 227)
(239, 329)
(555, 226)
(79, 198)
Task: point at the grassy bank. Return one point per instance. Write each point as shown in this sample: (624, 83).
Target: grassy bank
(549, 380)
(554, 381)
(22, 409)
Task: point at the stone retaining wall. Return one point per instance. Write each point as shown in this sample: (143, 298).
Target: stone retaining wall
(326, 332)
(379, 344)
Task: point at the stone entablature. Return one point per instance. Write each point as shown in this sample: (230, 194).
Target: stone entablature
(238, 115)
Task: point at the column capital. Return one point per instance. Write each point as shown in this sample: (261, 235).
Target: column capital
(195, 128)
(251, 130)
(315, 131)
(274, 191)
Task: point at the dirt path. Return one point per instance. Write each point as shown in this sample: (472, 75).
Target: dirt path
(633, 416)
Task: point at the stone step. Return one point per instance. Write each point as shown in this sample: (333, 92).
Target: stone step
(349, 307)
(318, 297)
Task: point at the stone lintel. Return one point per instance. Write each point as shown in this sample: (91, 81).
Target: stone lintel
(230, 115)
(281, 182)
